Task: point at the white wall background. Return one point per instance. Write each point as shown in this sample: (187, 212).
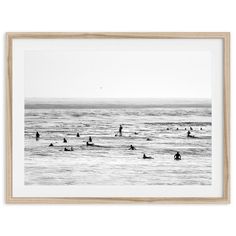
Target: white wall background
(122, 15)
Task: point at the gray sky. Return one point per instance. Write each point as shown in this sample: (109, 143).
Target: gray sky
(118, 72)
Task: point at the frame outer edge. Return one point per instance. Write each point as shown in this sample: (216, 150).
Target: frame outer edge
(116, 35)
(9, 134)
(226, 194)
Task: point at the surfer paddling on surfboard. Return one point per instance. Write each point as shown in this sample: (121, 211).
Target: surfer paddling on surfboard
(146, 157)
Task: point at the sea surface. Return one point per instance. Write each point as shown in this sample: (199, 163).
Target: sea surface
(110, 162)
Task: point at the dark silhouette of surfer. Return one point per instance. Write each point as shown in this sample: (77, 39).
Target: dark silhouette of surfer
(37, 136)
(177, 156)
(132, 147)
(191, 128)
(64, 140)
(77, 135)
(51, 145)
(146, 157)
(120, 130)
(189, 135)
(89, 144)
(68, 149)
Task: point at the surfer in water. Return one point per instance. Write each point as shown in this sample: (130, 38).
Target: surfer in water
(177, 156)
(89, 144)
(120, 130)
(132, 147)
(69, 149)
(146, 157)
(37, 135)
(189, 135)
(77, 135)
(64, 140)
(51, 145)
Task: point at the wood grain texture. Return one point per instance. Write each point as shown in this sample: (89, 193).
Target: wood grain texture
(116, 35)
(9, 121)
(226, 194)
(225, 36)
(120, 200)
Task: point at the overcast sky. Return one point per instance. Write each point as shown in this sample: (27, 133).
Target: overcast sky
(116, 72)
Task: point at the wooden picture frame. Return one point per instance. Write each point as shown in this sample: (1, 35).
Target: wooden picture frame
(224, 36)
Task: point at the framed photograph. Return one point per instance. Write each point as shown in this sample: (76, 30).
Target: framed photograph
(118, 117)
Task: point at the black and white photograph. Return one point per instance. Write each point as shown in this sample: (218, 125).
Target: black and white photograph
(118, 116)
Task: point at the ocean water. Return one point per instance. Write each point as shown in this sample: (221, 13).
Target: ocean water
(110, 162)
